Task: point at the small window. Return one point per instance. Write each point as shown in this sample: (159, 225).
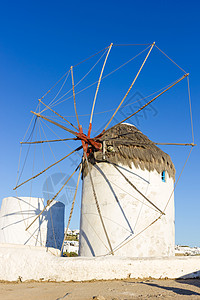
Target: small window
(163, 176)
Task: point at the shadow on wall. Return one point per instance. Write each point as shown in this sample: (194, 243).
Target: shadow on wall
(55, 226)
(84, 236)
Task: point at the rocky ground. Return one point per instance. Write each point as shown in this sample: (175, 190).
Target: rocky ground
(101, 290)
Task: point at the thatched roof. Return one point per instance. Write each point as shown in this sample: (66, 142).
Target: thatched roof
(125, 144)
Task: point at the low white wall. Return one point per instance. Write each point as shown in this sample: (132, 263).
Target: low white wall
(34, 263)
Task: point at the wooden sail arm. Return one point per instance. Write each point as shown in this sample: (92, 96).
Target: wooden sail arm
(72, 208)
(97, 89)
(57, 114)
(72, 75)
(51, 200)
(130, 86)
(55, 123)
(137, 189)
(150, 101)
(97, 204)
(50, 141)
(35, 176)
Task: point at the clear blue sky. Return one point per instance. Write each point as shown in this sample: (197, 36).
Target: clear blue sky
(40, 40)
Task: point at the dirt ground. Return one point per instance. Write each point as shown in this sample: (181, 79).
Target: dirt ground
(101, 290)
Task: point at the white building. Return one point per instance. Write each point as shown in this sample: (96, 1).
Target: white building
(17, 213)
(133, 181)
(71, 246)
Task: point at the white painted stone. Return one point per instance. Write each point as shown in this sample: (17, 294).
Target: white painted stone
(126, 213)
(18, 212)
(34, 263)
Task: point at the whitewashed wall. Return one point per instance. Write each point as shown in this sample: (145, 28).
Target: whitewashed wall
(18, 212)
(126, 213)
(35, 263)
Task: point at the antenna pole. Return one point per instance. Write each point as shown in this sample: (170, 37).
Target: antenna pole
(131, 85)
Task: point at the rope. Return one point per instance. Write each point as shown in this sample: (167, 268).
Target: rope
(97, 204)
(53, 104)
(117, 45)
(47, 186)
(31, 183)
(54, 85)
(106, 111)
(98, 84)
(130, 86)
(58, 114)
(141, 108)
(60, 89)
(191, 120)
(60, 138)
(129, 182)
(171, 59)
(106, 75)
(26, 157)
(72, 208)
(164, 208)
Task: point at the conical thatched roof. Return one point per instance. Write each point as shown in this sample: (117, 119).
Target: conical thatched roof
(125, 144)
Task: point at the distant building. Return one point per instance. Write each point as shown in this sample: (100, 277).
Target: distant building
(71, 246)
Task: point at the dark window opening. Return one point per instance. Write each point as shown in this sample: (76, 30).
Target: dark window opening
(163, 176)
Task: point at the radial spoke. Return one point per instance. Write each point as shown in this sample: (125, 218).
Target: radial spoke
(72, 207)
(55, 123)
(97, 89)
(58, 114)
(137, 189)
(77, 149)
(176, 144)
(153, 99)
(97, 204)
(130, 86)
(49, 141)
(74, 96)
(51, 200)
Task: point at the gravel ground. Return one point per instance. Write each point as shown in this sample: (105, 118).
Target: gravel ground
(101, 290)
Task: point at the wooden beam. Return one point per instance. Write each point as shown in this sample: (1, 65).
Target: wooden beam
(74, 96)
(57, 114)
(51, 200)
(77, 149)
(49, 141)
(55, 123)
(97, 89)
(130, 86)
(151, 100)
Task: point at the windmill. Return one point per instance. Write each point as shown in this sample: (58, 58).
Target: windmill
(104, 148)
